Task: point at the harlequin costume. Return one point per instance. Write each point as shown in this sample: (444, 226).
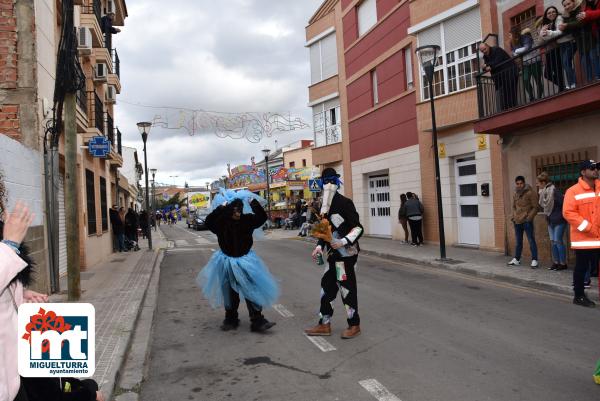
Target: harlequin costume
(340, 270)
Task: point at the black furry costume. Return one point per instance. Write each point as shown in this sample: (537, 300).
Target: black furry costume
(25, 275)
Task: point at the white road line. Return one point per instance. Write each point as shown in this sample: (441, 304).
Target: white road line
(202, 241)
(282, 310)
(377, 390)
(321, 343)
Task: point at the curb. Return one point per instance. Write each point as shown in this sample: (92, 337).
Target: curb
(110, 395)
(522, 282)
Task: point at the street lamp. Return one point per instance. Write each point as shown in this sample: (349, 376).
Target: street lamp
(153, 172)
(187, 198)
(144, 128)
(173, 177)
(266, 153)
(428, 57)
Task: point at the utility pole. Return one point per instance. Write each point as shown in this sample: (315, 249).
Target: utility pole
(71, 199)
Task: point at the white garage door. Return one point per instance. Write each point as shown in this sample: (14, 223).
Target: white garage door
(380, 220)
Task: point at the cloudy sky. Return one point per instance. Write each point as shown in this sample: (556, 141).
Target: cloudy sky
(225, 56)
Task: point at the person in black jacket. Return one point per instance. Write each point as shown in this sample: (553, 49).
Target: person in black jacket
(236, 270)
(343, 253)
(65, 389)
(505, 73)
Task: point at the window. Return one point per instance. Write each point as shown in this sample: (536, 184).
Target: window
(458, 38)
(562, 167)
(103, 204)
(326, 123)
(323, 59)
(303, 162)
(292, 164)
(91, 201)
(408, 68)
(375, 88)
(523, 20)
(367, 16)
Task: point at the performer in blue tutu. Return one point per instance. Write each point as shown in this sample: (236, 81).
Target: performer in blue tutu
(236, 270)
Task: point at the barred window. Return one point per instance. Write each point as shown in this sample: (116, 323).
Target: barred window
(91, 201)
(562, 168)
(103, 204)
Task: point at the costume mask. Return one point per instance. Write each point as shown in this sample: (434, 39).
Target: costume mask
(328, 191)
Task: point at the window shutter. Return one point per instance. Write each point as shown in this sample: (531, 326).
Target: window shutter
(367, 16)
(430, 36)
(315, 62)
(409, 68)
(329, 56)
(462, 29)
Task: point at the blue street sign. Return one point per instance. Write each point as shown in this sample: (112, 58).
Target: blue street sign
(314, 185)
(99, 146)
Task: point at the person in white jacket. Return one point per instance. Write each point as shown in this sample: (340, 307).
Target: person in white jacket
(12, 294)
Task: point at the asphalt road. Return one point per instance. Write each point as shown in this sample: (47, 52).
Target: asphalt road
(427, 335)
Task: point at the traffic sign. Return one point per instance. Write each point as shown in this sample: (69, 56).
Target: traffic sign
(99, 146)
(314, 185)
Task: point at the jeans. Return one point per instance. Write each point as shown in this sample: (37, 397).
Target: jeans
(533, 70)
(591, 63)
(585, 261)
(416, 231)
(526, 227)
(121, 240)
(567, 51)
(559, 251)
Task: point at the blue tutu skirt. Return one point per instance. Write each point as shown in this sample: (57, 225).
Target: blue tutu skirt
(246, 275)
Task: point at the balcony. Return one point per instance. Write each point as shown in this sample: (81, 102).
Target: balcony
(91, 17)
(114, 157)
(95, 117)
(328, 146)
(82, 110)
(549, 82)
(114, 78)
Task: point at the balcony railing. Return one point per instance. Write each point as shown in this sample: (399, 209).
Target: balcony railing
(93, 7)
(116, 62)
(558, 65)
(328, 136)
(110, 129)
(96, 111)
(81, 98)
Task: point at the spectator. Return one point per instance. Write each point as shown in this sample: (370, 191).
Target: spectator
(590, 15)
(403, 218)
(551, 202)
(121, 232)
(67, 388)
(532, 65)
(504, 71)
(524, 209)
(131, 224)
(144, 223)
(15, 274)
(414, 213)
(115, 222)
(571, 27)
(581, 209)
(554, 69)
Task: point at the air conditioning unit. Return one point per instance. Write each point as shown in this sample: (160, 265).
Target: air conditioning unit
(84, 40)
(111, 7)
(100, 72)
(111, 94)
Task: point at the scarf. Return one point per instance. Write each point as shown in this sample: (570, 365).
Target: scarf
(547, 198)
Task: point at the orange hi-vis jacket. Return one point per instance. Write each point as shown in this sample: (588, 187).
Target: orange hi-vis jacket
(581, 208)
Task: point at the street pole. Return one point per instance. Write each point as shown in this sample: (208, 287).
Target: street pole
(145, 137)
(71, 197)
(268, 192)
(438, 184)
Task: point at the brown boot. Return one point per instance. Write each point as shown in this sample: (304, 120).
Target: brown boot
(351, 332)
(319, 330)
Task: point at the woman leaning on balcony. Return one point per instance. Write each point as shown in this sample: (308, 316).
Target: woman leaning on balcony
(553, 71)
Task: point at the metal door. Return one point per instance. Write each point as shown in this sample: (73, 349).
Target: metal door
(467, 201)
(379, 206)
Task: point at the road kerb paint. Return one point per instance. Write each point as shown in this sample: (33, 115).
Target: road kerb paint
(282, 310)
(377, 390)
(321, 343)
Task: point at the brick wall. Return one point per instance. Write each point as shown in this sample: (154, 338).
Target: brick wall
(8, 45)
(9, 121)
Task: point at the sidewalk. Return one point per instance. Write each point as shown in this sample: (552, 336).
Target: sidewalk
(117, 289)
(490, 265)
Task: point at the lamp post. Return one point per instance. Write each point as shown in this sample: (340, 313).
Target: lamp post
(173, 177)
(187, 198)
(428, 57)
(153, 172)
(266, 153)
(144, 128)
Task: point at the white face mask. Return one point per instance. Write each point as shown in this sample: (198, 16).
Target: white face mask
(328, 191)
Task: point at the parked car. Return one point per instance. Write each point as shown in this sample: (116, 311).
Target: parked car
(199, 219)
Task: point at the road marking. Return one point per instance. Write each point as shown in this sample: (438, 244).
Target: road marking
(377, 390)
(282, 310)
(202, 241)
(321, 343)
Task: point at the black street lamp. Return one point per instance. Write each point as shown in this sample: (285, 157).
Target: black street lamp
(144, 128)
(187, 197)
(153, 172)
(266, 153)
(428, 57)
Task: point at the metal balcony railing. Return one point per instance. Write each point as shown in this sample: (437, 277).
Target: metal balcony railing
(116, 62)
(96, 112)
(81, 98)
(110, 129)
(558, 65)
(93, 7)
(119, 144)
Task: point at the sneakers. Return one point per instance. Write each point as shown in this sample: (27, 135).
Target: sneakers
(534, 264)
(553, 267)
(587, 284)
(230, 324)
(561, 267)
(351, 332)
(514, 262)
(319, 330)
(583, 301)
(261, 325)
